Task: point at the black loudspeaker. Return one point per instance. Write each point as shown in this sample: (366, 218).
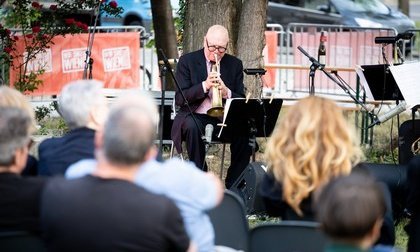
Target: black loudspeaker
(408, 132)
(247, 186)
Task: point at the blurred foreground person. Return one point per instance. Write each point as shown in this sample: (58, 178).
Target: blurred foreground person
(106, 211)
(83, 107)
(192, 190)
(10, 97)
(20, 196)
(312, 144)
(350, 210)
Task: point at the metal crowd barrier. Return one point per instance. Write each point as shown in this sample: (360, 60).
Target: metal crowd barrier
(346, 47)
(149, 70)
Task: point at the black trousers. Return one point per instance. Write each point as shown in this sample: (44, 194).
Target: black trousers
(236, 135)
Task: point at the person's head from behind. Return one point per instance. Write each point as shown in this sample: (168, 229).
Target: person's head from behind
(83, 104)
(350, 210)
(129, 131)
(311, 144)
(10, 97)
(216, 42)
(14, 138)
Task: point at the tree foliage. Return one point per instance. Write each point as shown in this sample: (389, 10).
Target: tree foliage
(35, 26)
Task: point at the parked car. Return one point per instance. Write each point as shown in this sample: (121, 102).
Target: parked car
(135, 12)
(361, 13)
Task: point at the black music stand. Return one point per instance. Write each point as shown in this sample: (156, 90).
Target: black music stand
(251, 117)
(381, 82)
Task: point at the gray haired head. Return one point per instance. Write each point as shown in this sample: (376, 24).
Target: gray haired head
(14, 132)
(130, 129)
(78, 99)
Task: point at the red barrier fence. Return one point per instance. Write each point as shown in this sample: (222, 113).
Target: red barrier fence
(115, 61)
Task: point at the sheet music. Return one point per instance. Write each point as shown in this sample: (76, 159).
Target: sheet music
(359, 71)
(407, 77)
(226, 111)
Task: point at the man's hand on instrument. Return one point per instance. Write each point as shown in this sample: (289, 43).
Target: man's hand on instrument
(223, 88)
(213, 79)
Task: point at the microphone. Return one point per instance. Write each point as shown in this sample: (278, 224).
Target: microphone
(391, 113)
(209, 133)
(385, 40)
(391, 40)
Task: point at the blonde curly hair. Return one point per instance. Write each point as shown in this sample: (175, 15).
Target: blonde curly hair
(311, 144)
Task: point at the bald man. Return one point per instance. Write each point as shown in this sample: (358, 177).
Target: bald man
(196, 81)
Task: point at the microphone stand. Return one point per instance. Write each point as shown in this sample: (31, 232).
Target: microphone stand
(186, 103)
(316, 65)
(91, 37)
(163, 71)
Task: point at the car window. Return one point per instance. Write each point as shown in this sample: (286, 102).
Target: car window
(372, 6)
(316, 4)
(313, 4)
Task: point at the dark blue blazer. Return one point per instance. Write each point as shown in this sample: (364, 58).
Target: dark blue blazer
(190, 73)
(58, 153)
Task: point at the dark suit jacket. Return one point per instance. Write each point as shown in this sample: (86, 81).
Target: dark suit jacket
(57, 154)
(191, 72)
(20, 202)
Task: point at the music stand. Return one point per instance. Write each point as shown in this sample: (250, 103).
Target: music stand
(381, 83)
(257, 115)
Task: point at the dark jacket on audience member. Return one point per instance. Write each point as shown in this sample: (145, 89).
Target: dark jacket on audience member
(97, 214)
(272, 196)
(57, 154)
(20, 202)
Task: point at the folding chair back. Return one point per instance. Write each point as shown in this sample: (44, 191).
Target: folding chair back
(287, 236)
(230, 223)
(21, 241)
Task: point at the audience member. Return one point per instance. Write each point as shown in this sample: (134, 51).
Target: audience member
(20, 196)
(10, 97)
(413, 204)
(192, 190)
(350, 210)
(105, 211)
(312, 144)
(83, 107)
(196, 81)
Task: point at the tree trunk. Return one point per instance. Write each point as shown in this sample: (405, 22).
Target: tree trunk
(201, 14)
(165, 36)
(404, 6)
(251, 40)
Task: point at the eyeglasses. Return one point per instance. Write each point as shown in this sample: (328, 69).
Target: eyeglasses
(213, 48)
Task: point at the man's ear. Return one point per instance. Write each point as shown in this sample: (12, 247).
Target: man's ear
(151, 153)
(97, 116)
(376, 230)
(19, 160)
(99, 138)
